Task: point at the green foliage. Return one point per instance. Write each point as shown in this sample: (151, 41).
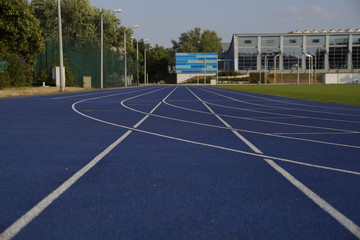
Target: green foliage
(46, 12)
(160, 59)
(18, 74)
(81, 22)
(20, 41)
(195, 41)
(45, 76)
(229, 73)
(19, 30)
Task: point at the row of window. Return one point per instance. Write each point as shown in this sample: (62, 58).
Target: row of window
(298, 40)
(292, 60)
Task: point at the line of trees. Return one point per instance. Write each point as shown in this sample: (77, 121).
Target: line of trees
(26, 26)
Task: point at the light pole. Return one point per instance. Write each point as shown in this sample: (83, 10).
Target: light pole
(62, 73)
(277, 55)
(137, 62)
(310, 64)
(266, 67)
(102, 48)
(126, 80)
(298, 73)
(145, 40)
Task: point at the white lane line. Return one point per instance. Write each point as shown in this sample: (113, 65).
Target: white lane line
(97, 93)
(259, 119)
(341, 218)
(208, 145)
(24, 220)
(266, 107)
(298, 109)
(289, 101)
(248, 143)
(241, 130)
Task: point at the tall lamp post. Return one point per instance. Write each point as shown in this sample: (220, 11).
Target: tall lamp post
(102, 48)
(266, 68)
(310, 64)
(145, 40)
(135, 26)
(62, 73)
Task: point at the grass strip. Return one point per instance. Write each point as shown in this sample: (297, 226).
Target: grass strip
(342, 94)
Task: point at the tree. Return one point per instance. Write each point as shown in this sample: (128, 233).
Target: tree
(210, 42)
(81, 22)
(20, 41)
(46, 13)
(19, 30)
(160, 59)
(195, 41)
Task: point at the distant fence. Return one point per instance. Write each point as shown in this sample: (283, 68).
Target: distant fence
(84, 60)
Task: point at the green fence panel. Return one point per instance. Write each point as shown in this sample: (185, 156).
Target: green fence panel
(84, 60)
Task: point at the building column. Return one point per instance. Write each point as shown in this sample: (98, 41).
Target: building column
(327, 49)
(281, 61)
(258, 67)
(236, 54)
(350, 52)
(303, 57)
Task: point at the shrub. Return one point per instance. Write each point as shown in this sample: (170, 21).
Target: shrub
(19, 73)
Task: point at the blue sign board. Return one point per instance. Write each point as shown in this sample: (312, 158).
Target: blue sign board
(196, 63)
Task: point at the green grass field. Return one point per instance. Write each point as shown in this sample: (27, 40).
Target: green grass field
(344, 93)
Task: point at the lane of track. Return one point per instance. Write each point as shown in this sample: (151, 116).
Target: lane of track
(155, 174)
(43, 143)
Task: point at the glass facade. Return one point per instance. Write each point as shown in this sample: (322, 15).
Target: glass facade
(316, 46)
(356, 52)
(248, 53)
(247, 59)
(329, 51)
(292, 59)
(270, 47)
(338, 52)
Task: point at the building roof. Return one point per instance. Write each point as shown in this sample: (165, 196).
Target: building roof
(343, 30)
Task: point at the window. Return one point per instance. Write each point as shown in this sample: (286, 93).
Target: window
(338, 57)
(270, 41)
(248, 41)
(316, 40)
(292, 40)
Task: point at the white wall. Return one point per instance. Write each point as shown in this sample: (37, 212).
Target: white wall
(341, 78)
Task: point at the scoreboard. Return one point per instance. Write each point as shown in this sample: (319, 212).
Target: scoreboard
(196, 63)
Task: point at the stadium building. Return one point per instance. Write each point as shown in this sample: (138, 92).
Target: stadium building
(320, 50)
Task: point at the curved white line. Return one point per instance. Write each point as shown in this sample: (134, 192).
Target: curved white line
(240, 130)
(258, 120)
(206, 144)
(268, 99)
(266, 106)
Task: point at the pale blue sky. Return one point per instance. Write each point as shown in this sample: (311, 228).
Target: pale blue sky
(164, 20)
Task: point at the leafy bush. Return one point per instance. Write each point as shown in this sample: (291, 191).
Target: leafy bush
(19, 73)
(229, 73)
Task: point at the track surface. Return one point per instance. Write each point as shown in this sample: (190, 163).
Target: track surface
(178, 163)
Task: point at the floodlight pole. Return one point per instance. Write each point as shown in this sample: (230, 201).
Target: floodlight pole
(266, 67)
(275, 66)
(102, 53)
(145, 40)
(137, 62)
(298, 72)
(61, 56)
(102, 48)
(126, 80)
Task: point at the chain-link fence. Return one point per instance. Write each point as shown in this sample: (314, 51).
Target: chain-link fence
(83, 60)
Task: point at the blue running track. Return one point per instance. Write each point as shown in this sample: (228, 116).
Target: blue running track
(178, 162)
